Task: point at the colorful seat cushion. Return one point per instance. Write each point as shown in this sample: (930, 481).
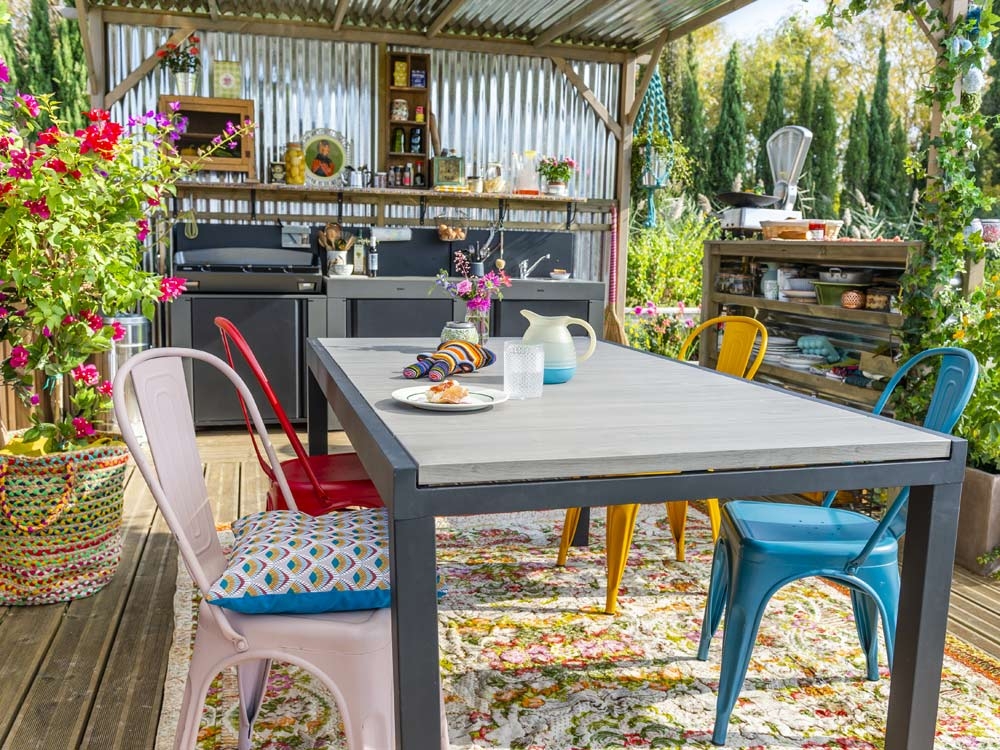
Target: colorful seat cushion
(287, 561)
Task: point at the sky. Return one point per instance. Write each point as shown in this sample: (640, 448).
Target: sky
(759, 16)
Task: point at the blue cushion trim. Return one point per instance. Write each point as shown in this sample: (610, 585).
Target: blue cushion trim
(306, 603)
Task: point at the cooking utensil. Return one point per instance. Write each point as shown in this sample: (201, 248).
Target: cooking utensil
(846, 276)
(747, 200)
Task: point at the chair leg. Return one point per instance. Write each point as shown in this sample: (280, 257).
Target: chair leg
(715, 603)
(199, 678)
(714, 516)
(251, 677)
(677, 515)
(866, 622)
(620, 528)
(569, 530)
(746, 605)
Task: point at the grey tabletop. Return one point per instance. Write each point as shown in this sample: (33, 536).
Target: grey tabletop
(624, 412)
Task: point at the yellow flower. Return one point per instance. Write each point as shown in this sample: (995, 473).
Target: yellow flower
(989, 314)
(995, 277)
(958, 335)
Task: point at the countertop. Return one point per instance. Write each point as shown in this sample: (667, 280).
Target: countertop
(423, 286)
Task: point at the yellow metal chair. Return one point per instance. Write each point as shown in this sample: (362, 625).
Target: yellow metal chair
(734, 358)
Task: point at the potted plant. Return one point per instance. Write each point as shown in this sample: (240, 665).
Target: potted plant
(478, 292)
(977, 328)
(74, 211)
(557, 173)
(182, 60)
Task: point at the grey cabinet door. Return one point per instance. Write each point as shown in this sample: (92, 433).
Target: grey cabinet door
(398, 317)
(510, 322)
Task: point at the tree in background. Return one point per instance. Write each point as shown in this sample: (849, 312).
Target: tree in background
(774, 118)
(38, 72)
(672, 67)
(8, 53)
(727, 153)
(70, 73)
(692, 127)
(989, 163)
(855, 172)
(901, 182)
(803, 117)
(823, 152)
(880, 167)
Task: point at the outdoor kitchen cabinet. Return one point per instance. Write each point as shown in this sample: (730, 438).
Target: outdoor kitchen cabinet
(208, 118)
(857, 330)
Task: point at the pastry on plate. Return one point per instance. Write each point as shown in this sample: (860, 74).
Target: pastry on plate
(447, 392)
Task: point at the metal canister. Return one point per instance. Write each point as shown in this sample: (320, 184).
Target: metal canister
(400, 110)
(276, 172)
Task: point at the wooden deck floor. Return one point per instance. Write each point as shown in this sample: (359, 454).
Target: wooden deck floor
(89, 674)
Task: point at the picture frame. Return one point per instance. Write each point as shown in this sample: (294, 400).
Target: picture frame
(227, 79)
(448, 171)
(327, 152)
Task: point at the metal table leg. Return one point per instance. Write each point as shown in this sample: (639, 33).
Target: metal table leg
(316, 416)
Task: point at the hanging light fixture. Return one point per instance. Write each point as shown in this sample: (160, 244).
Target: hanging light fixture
(652, 119)
(655, 173)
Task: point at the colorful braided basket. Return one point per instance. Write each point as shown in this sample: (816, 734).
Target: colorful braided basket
(60, 523)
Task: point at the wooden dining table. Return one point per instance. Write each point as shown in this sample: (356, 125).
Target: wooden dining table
(630, 427)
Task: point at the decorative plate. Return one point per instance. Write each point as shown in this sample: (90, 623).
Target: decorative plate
(478, 398)
(327, 153)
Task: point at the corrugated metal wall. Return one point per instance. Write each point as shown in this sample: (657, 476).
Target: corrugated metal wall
(487, 107)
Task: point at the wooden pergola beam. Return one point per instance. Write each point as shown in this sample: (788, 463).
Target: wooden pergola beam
(443, 17)
(569, 23)
(213, 9)
(338, 16)
(144, 68)
(325, 32)
(94, 58)
(588, 96)
(623, 180)
(702, 20)
(647, 76)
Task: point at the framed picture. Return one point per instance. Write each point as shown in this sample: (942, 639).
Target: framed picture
(448, 171)
(227, 80)
(327, 153)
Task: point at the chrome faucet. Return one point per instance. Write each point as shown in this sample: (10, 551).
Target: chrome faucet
(524, 270)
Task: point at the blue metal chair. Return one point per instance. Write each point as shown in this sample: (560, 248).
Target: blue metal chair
(764, 546)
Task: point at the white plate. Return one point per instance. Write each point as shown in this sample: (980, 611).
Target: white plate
(799, 295)
(780, 341)
(478, 398)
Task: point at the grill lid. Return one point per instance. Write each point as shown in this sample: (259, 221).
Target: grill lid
(252, 259)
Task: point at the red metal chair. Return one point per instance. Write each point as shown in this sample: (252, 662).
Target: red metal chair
(319, 484)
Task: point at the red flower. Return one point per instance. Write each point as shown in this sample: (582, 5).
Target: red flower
(83, 427)
(171, 288)
(118, 331)
(99, 115)
(194, 39)
(86, 374)
(101, 137)
(161, 53)
(105, 388)
(56, 165)
(38, 208)
(48, 137)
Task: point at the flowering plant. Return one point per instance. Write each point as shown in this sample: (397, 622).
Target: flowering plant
(556, 170)
(659, 332)
(476, 291)
(74, 210)
(180, 58)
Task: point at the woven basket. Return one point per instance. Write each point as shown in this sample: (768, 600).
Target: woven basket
(60, 523)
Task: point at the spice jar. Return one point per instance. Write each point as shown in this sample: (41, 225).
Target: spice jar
(295, 164)
(400, 110)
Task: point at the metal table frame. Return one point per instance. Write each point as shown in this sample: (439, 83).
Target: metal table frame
(926, 575)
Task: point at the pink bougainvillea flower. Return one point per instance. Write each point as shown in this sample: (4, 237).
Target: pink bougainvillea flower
(35, 400)
(48, 137)
(86, 374)
(143, 233)
(69, 320)
(104, 388)
(57, 165)
(3, 312)
(46, 332)
(118, 331)
(94, 321)
(28, 102)
(171, 288)
(175, 106)
(83, 427)
(4, 72)
(38, 208)
(18, 357)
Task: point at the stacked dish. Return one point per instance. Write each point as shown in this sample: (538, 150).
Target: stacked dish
(777, 348)
(802, 361)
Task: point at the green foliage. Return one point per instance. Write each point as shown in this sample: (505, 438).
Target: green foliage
(8, 53)
(664, 262)
(774, 118)
(692, 127)
(672, 71)
(727, 154)
(880, 167)
(660, 333)
(673, 153)
(804, 117)
(70, 74)
(901, 181)
(39, 70)
(855, 172)
(824, 152)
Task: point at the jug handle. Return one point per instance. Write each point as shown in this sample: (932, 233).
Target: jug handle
(590, 332)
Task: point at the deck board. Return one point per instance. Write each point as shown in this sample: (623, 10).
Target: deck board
(90, 673)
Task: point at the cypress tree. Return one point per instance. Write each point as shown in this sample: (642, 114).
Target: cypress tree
(900, 181)
(855, 175)
(824, 151)
(70, 74)
(38, 73)
(672, 73)
(692, 128)
(803, 117)
(8, 53)
(727, 154)
(774, 118)
(880, 155)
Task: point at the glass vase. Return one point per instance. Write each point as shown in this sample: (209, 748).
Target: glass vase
(481, 320)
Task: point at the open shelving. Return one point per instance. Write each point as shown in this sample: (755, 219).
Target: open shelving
(207, 118)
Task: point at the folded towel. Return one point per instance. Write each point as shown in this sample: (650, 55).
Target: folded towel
(450, 357)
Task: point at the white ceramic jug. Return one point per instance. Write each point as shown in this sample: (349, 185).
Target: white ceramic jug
(552, 332)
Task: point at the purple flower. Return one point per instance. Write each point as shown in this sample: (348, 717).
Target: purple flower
(35, 400)
(18, 357)
(229, 129)
(175, 106)
(463, 287)
(46, 332)
(479, 304)
(4, 72)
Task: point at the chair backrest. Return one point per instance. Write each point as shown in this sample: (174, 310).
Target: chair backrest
(231, 336)
(953, 387)
(175, 477)
(737, 344)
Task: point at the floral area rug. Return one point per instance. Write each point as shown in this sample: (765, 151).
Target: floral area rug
(529, 661)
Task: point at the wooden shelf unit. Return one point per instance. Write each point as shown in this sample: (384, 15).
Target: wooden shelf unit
(844, 327)
(207, 118)
(415, 96)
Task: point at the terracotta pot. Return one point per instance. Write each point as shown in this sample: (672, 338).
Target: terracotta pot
(978, 520)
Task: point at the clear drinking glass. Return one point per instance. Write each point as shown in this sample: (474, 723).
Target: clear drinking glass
(523, 369)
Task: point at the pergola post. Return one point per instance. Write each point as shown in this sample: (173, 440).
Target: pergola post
(623, 181)
(91, 23)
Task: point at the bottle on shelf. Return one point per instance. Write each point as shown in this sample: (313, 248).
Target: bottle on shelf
(408, 175)
(373, 257)
(416, 140)
(418, 178)
(398, 140)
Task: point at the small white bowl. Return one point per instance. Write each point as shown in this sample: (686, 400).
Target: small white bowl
(342, 269)
(800, 285)
(560, 276)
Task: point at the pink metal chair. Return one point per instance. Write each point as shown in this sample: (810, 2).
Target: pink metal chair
(350, 652)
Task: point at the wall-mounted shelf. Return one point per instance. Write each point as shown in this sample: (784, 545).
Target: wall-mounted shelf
(207, 119)
(413, 131)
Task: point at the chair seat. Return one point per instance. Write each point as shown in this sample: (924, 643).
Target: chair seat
(342, 477)
(826, 536)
